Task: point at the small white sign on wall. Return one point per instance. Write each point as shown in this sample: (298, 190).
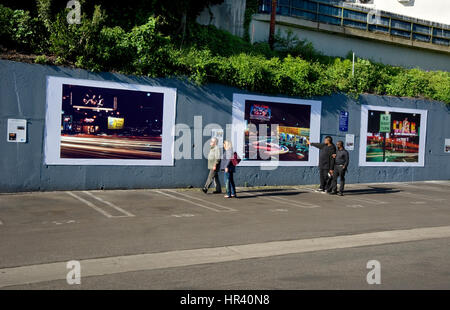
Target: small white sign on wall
(447, 146)
(17, 130)
(349, 142)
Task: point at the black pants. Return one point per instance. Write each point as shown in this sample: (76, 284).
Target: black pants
(213, 176)
(324, 179)
(339, 172)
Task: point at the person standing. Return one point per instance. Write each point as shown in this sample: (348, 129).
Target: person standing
(340, 168)
(326, 162)
(213, 166)
(228, 167)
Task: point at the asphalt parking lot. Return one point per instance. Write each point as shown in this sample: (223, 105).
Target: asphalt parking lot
(48, 227)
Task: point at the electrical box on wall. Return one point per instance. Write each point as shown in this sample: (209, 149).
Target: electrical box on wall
(17, 130)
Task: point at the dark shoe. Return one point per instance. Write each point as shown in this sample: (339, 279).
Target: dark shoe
(205, 190)
(233, 196)
(331, 193)
(341, 194)
(217, 192)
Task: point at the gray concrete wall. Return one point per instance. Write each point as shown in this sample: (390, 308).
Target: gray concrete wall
(23, 95)
(228, 16)
(340, 44)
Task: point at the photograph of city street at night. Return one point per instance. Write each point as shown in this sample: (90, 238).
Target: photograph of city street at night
(397, 142)
(288, 127)
(111, 123)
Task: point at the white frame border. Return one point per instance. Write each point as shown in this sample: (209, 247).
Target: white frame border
(239, 127)
(52, 137)
(363, 136)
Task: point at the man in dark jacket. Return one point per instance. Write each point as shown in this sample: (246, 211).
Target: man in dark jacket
(340, 167)
(326, 162)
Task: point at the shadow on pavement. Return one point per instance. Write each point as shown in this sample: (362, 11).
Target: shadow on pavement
(372, 190)
(268, 193)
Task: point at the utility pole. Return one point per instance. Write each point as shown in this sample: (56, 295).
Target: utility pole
(272, 23)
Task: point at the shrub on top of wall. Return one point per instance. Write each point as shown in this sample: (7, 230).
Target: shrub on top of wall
(206, 54)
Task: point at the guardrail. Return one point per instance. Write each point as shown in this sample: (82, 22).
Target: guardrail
(342, 14)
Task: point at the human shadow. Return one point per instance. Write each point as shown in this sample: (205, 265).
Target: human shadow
(271, 193)
(372, 190)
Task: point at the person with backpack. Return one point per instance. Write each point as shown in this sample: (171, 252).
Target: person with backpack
(228, 164)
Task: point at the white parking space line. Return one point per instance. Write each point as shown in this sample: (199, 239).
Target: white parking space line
(93, 267)
(446, 183)
(110, 204)
(298, 203)
(306, 188)
(183, 215)
(95, 207)
(187, 200)
(282, 200)
(418, 196)
(355, 206)
(350, 197)
(1, 222)
(365, 200)
(90, 204)
(202, 200)
(427, 188)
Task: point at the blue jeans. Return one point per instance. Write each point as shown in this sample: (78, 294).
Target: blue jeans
(229, 183)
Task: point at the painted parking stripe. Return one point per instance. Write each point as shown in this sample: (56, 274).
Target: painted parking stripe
(126, 213)
(355, 206)
(356, 199)
(427, 188)
(93, 206)
(202, 200)
(1, 222)
(418, 197)
(446, 183)
(281, 200)
(90, 204)
(93, 267)
(183, 215)
(187, 200)
(300, 204)
(365, 200)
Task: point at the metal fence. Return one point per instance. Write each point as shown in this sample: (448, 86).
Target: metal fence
(336, 13)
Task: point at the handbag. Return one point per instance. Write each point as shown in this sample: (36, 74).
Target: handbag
(236, 159)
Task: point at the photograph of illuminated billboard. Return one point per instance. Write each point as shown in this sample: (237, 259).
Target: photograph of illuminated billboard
(392, 136)
(276, 129)
(109, 123)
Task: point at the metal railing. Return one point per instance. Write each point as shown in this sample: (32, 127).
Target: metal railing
(340, 14)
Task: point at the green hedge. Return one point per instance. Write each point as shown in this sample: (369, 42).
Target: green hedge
(205, 54)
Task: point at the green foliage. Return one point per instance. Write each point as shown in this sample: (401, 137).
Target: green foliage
(155, 46)
(21, 31)
(77, 43)
(152, 56)
(41, 59)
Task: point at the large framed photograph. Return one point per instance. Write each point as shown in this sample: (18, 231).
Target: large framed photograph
(271, 131)
(392, 136)
(108, 123)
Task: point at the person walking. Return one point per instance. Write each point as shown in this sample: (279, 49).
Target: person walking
(340, 168)
(213, 166)
(228, 167)
(326, 162)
